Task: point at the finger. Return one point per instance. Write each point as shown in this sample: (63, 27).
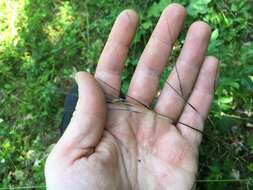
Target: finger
(87, 124)
(111, 61)
(200, 99)
(182, 78)
(145, 80)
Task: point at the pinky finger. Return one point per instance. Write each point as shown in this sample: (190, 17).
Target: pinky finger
(199, 102)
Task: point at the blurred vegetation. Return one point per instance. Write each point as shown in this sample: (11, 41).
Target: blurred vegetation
(43, 43)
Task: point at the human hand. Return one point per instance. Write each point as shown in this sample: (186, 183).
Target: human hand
(113, 143)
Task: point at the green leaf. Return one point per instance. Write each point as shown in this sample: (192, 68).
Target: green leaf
(215, 34)
(213, 42)
(19, 175)
(198, 7)
(250, 167)
(146, 25)
(157, 8)
(248, 69)
(247, 82)
(226, 100)
(250, 143)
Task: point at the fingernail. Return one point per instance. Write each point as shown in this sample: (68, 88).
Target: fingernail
(125, 15)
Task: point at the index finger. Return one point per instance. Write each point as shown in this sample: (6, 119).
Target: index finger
(111, 61)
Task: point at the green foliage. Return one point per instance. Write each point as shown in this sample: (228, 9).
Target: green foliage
(198, 7)
(43, 43)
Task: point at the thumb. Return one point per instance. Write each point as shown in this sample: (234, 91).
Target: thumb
(87, 124)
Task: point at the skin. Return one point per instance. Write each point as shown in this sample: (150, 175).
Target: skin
(107, 147)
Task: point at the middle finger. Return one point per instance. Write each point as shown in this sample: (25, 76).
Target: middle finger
(145, 80)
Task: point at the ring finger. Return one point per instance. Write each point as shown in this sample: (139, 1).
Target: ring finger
(182, 78)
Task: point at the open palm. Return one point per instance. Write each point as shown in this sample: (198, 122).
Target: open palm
(113, 143)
